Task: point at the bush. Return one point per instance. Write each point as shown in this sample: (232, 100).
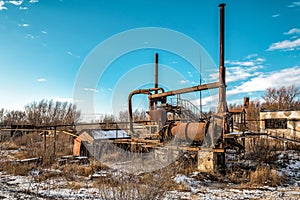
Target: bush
(263, 150)
(16, 168)
(263, 175)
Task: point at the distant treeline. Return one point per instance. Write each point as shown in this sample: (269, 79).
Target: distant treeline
(44, 112)
(50, 112)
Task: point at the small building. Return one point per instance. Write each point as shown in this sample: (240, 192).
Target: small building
(239, 117)
(281, 123)
(238, 123)
(92, 142)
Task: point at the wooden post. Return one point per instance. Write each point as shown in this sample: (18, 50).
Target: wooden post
(45, 145)
(54, 143)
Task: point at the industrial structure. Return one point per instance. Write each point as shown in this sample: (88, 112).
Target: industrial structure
(208, 136)
(177, 125)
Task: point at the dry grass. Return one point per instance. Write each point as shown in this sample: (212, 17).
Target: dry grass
(130, 186)
(33, 145)
(263, 175)
(72, 172)
(263, 150)
(16, 168)
(9, 146)
(149, 185)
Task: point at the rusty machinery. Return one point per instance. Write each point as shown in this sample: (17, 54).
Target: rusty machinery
(206, 132)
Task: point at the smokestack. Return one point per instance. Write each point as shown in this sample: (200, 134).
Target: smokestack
(222, 89)
(246, 102)
(222, 17)
(156, 71)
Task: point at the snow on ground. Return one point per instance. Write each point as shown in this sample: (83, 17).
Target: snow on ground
(199, 190)
(57, 187)
(24, 187)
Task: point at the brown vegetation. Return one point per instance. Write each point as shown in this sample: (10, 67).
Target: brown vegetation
(283, 98)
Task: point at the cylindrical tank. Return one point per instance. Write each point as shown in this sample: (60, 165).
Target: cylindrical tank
(192, 131)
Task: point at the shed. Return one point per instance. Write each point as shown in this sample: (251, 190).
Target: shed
(90, 141)
(283, 123)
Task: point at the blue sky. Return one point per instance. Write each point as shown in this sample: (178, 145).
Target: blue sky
(46, 43)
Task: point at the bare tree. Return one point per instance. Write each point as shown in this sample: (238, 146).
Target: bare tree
(107, 118)
(51, 113)
(283, 98)
(14, 117)
(1, 115)
(123, 116)
(138, 115)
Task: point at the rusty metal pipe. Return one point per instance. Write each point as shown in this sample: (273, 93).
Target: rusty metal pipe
(140, 91)
(222, 107)
(222, 19)
(185, 90)
(156, 72)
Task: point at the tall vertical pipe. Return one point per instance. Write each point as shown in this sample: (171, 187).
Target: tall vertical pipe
(156, 71)
(222, 89)
(153, 104)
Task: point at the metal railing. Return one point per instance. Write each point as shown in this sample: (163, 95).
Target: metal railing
(188, 108)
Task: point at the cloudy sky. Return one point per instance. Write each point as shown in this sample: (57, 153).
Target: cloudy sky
(47, 44)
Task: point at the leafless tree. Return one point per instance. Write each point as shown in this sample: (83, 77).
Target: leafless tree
(48, 112)
(1, 115)
(138, 115)
(14, 117)
(123, 116)
(107, 118)
(283, 98)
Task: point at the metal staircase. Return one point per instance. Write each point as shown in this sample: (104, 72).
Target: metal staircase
(187, 109)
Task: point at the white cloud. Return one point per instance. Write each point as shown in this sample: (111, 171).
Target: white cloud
(241, 73)
(275, 79)
(293, 31)
(16, 3)
(241, 70)
(250, 63)
(90, 89)
(275, 15)
(251, 56)
(71, 54)
(23, 8)
(23, 25)
(241, 63)
(44, 32)
(41, 80)
(260, 60)
(29, 36)
(183, 82)
(33, 1)
(207, 102)
(2, 7)
(287, 45)
(294, 4)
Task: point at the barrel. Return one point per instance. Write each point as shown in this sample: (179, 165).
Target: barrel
(192, 131)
